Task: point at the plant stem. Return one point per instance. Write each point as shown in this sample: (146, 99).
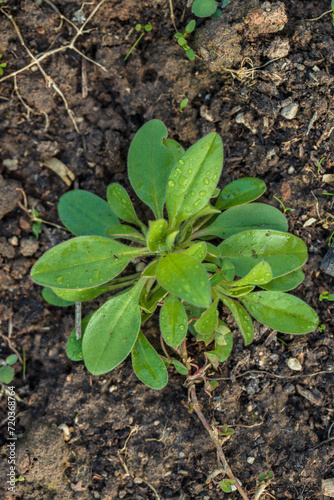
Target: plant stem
(134, 45)
(215, 438)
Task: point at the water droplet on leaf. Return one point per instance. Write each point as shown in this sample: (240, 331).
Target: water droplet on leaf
(171, 183)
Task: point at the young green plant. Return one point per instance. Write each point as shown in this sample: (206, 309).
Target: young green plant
(181, 39)
(2, 65)
(202, 249)
(207, 8)
(138, 28)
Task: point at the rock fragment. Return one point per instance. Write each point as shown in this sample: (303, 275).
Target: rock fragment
(9, 195)
(290, 111)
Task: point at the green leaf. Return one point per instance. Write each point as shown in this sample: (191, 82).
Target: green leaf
(173, 322)
(190, 54)
(284, 252)
(74, 345)
(186, 278)
(84, 213)
(6, 374)
(124, 232)
(240, 192)
(259, 275)
(112, 332)
(190, 26)
(120, 203)
(81, 295)
(53, 299)
(147, 364)
(204, 8)
(209, 319)
(226, 484)
(150, 270)
(156, 235)
(241, 317)
(198, 250)
(11, 359)
(149, 165)
(281, 311)
(243, 218)
(223, 351)
(174, 147)
(285, 283)
(83, 262)
(179, 367)
(235, 292)
(228, 270)
(194, 178)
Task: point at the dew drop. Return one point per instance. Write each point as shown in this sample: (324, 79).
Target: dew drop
(181, 162)
(190, 170)
(183, 181)
(196, 203)
(192, 193)
(206, 181)
(179, 171)
(60, 279)
(202, 193)
(171, 183)
(90, 280)
(214, 177)
(208, 172)
(181, 327)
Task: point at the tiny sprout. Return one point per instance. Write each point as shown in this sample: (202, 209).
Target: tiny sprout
(181, 39)
(138, 28)
(326, 296)
(183, 104)
(319, 163)
(2, 65)
(285, 209)
(322, 327)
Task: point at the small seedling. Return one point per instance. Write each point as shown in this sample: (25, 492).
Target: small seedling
(285, 209)
(2, 65)
(326, 296)
(183, 104)
(6, 370)
(181, 39)
(198, 257)
(322, 327)
(138, 28)
(207, 8)
(320, 162)
(37, 224)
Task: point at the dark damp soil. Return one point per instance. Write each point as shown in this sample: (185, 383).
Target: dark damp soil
(110, 437)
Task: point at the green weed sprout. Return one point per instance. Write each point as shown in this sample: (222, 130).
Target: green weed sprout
(285, 209)
(2, 65)
(196, 256)
(326, 296)
(181, 39)
(138, 28)
(183, 104)
(207, 8)
(6, 370)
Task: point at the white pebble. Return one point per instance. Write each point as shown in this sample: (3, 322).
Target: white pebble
(294, 364)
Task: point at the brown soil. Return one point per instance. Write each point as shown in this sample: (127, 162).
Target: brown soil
(126, 441)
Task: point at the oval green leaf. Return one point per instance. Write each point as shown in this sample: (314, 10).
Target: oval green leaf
(204, 8)
(241, 317)
(173, 322)
(112, 332)
(198, 250)
(6, 374)
(194, 178)
(51, 298)
(259, 275)
(175, 148)
(156, 235)
(11, 359)
(83, 262)
(240, 192)
(74, 345)
(208, 320)
(186, 278)
(84, 213)
(149, 165)
(284, 252)
(120, 203)
(147, 364)
(281, 311)
(121, 231)
(243, 218)
(285, 283)
(179, 367)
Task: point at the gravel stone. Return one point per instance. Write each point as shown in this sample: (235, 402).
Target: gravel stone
(28, 247)
(289, 112)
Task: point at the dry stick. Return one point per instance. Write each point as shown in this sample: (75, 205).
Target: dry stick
(38, 60)
(172, 14)
(213, 433)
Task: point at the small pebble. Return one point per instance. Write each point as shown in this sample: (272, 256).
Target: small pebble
(181, 454)
(289, 112)
(294, 364)
(28, 247)
(250, 460)
(113, 388)
(11, 165)
(291, 170)
(14, 241)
